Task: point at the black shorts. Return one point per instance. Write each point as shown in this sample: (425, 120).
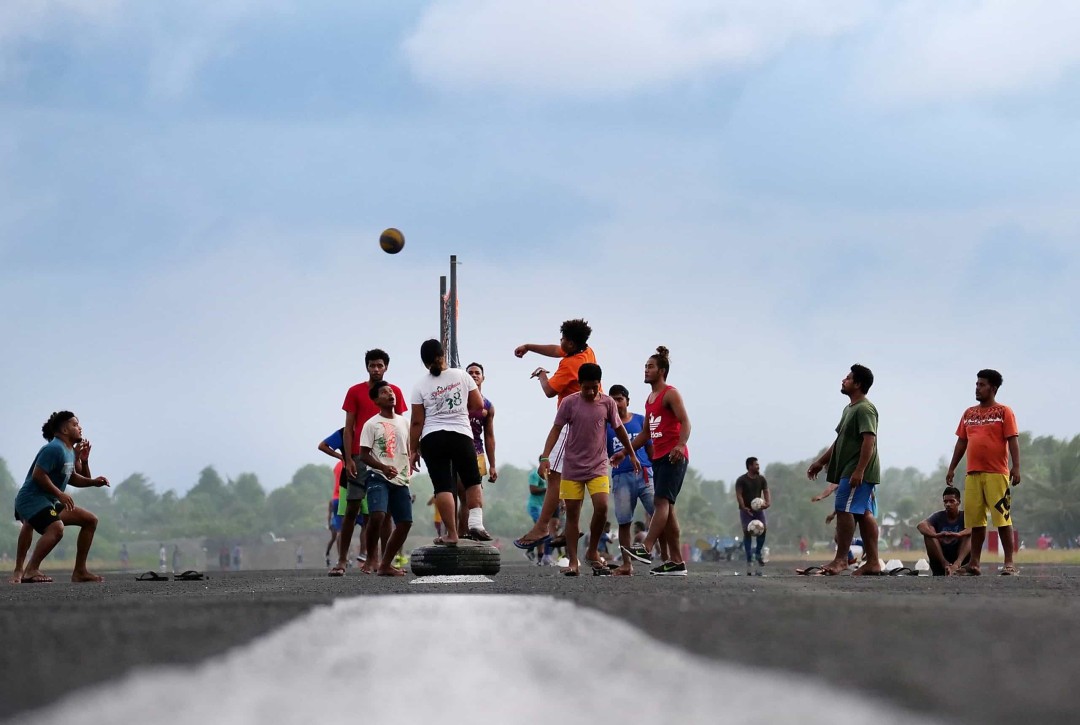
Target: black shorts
(45, 518)
(447, 453)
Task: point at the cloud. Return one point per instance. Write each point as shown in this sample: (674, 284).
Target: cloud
(949, 52)
(168, 43)
(610, 47)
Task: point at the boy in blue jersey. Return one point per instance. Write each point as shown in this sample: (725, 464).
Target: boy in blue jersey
(628, 487)
(43, 502)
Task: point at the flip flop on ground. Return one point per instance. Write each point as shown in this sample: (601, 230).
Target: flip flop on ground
(336, 571)
(151, 576)
(37, 579)
(1009, 570)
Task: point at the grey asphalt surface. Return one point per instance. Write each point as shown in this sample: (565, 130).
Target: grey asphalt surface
(974, 650)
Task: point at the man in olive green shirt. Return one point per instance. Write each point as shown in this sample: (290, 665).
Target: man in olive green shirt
(853, 472)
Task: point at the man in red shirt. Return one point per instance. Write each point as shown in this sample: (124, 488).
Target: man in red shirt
(989, 436)
(573, 351)
(360, 408)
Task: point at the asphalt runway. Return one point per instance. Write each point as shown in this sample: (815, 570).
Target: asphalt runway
(967, 650)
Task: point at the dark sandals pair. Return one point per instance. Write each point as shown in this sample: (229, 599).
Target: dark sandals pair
(185, 576)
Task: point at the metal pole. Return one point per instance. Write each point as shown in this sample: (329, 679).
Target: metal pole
(444, 332)
(453, 360)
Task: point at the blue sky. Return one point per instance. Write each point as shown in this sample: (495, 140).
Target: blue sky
(190, 197)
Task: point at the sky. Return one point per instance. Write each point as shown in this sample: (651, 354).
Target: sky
(191, 196)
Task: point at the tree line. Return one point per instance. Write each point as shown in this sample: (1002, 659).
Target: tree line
(238, 509)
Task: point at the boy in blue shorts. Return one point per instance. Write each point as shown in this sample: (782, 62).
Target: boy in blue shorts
(854, 470)
(627, 486)
(384, 449)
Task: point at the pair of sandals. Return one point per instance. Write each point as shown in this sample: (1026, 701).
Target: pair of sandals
(185, 576)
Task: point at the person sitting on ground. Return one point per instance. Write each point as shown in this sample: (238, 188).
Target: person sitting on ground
(948, 541)
(43, 502)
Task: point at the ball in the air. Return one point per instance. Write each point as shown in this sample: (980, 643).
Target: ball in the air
(757, 504)
(755, 528)
(392, 241)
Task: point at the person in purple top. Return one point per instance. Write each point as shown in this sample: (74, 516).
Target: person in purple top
(585, 461)
(482, 422)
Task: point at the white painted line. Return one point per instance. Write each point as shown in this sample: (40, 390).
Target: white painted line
(452, 579)
(496, 660)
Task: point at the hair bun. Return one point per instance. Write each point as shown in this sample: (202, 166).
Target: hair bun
(662, 351)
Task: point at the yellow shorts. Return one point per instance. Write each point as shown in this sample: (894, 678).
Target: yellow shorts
(987, 493)
(575, 490)
(481, 463)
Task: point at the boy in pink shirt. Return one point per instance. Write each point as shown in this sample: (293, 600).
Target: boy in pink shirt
(585, 415)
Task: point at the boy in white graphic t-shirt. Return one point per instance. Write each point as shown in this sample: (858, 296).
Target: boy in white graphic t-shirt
(384, 448)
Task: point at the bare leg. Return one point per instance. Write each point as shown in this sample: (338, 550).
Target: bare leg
(384, 533)
(87, 524)
(375, 522)
(573, 512)
(868, 528)
(444, 501)
(46, 543)
(596, 525)
(393, 545)
(333, 539)
(658, 523)
(352, 508)
(845, 531)
(26, 536)
(673, 532)
(462, 508)
(627, 566)
(1005, 533)
(547, 511)
(934, 553)
(978, 538)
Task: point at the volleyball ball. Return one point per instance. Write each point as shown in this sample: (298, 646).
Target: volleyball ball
(392, 241)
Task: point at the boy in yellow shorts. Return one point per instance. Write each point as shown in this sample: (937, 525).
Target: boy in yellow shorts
(585, 461)
(989, 435)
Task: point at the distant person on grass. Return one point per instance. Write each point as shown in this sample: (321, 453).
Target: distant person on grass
(948, 542)
(669, 430)
(384, 449)
(988, 434)
(580, 423)
(43, 503)
(749, 486)
(853, 472)
(360, 408)
(26, 532)
(573, 351)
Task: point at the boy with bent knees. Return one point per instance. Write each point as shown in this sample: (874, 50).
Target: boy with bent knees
(43, 503)
(384, 449)
(585, 460)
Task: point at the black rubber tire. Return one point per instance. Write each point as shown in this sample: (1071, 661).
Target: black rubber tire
(465, 558)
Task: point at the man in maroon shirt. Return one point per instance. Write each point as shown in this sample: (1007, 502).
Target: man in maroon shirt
(359, 408)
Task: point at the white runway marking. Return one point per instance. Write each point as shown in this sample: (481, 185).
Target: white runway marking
(496, 660)
(452, 579)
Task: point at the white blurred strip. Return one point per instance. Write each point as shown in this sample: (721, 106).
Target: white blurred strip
(497, 660)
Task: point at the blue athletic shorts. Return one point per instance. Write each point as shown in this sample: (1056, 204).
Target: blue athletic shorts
(626, 490)
(856, 501)
(387, 497)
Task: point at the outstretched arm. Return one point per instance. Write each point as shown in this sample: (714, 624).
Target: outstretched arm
(545, 350)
